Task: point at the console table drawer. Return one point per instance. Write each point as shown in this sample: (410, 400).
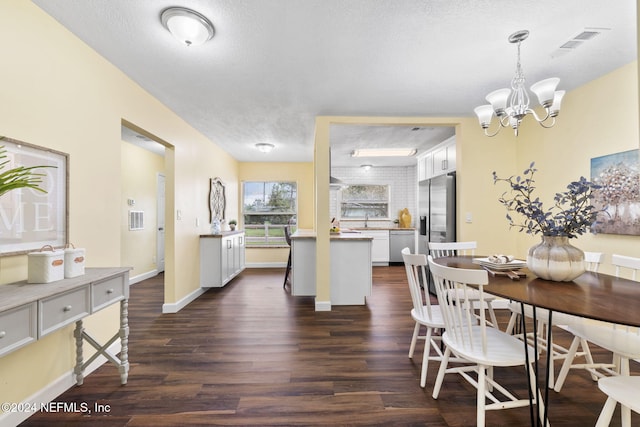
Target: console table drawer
(18, 327)
(62, 309)
(107, 292)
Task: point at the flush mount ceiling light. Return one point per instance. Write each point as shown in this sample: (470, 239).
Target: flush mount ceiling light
(384, 152)
(188, 26)
(512, 105)
(366, 167)
(264, 147)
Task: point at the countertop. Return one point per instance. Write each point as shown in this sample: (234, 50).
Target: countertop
(223, 234)
(310, 234)
(382, 228)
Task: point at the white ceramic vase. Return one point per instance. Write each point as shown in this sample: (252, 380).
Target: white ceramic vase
(556, 259)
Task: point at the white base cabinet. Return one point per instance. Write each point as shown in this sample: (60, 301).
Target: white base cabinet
(379, 246)
(222, 257)
(303, 267)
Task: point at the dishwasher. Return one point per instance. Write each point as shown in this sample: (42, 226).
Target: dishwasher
(398, 240)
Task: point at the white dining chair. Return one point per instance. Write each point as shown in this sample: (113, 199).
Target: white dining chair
(483, 346)
(623, 390)
(424, 313)
(622, 341)
(442, 249)
(561, 320)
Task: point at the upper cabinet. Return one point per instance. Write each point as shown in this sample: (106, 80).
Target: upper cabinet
(425, 166)
(439, 161)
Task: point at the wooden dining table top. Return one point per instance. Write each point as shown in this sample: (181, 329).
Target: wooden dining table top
(592, 295)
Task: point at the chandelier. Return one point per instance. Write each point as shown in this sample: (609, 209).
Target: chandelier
(512, 105)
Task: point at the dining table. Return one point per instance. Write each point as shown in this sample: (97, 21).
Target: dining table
(592, 295)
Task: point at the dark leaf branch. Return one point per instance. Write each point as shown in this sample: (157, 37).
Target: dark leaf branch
(571, 215)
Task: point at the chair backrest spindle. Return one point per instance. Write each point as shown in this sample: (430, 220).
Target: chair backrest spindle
(452, 290)
(623, 261)
(593, 260)
(416, 273)
(441, 249)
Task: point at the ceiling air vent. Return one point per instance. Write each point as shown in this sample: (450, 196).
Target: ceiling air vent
(586, 35)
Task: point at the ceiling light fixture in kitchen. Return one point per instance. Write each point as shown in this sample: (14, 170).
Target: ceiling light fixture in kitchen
(512, 105)
(188, 26)
(264, 147)
(384, 152)
(366, 167)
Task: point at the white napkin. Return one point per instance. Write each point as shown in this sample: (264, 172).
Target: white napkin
(500, 259)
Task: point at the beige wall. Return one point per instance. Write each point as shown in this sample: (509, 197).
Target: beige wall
(562, 154)
(139, 179)
(597, 119)
(299, 172)
(58, 93)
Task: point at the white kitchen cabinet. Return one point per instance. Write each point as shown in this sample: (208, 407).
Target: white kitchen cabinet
(439, 161)
(425, 166)
(303, 267)
(222, 257)
(444, 157)
(379, 246)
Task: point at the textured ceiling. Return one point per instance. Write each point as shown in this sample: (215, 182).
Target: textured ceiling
(274, 65)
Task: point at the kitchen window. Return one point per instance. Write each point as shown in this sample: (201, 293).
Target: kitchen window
(360, 201)
(267, 206)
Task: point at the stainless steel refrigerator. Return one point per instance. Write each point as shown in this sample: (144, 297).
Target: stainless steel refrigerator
(437, 212)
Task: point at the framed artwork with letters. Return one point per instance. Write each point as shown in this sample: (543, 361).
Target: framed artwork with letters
(31, 219)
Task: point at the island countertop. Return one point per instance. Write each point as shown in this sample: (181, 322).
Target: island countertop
(223, 233)
(343, 235)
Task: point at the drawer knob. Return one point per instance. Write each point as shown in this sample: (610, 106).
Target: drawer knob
(109, 291)
(66, 308)
(2, 334)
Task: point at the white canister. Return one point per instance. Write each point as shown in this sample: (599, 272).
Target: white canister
(73, 261)
(45, 265)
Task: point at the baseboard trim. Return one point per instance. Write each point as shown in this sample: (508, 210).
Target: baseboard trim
(54, 389)
(177, 306)
(144, 276)
(267, 265)
(323, 305)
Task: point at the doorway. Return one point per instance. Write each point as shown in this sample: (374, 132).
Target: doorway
(143, 176)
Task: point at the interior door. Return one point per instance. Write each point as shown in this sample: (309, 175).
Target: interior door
(161, 224)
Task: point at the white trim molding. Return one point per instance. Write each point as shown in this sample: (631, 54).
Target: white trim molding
(54, 389)
(144, 276)
(177, 306)
(323, 305)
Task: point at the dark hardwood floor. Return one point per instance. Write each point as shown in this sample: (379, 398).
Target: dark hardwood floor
(251, 354)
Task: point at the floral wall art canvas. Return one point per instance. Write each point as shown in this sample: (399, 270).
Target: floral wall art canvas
(619, 195)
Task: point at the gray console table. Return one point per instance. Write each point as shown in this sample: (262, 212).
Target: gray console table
(29, 312)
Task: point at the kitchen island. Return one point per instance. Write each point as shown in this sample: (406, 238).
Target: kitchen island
(351, 272)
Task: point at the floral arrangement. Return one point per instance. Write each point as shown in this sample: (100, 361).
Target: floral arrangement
(571, 215)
